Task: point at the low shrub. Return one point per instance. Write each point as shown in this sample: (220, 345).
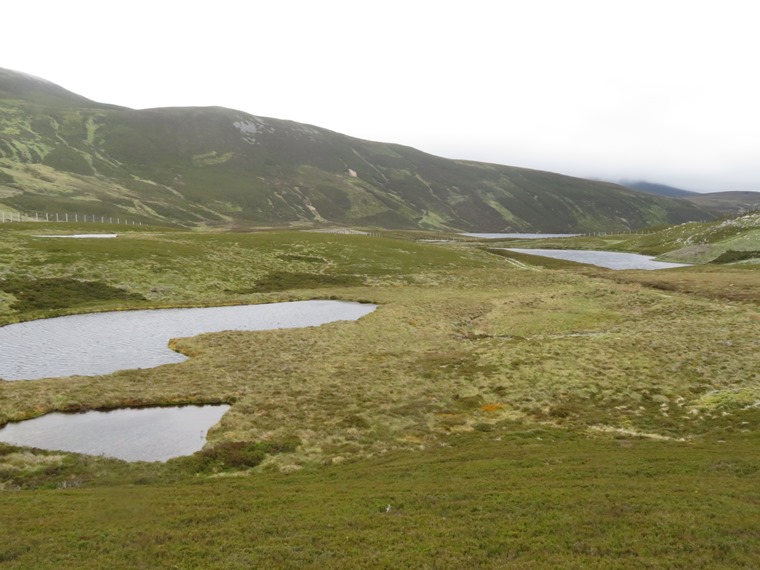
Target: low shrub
(59, 293)
(236, 455)
(732, 256)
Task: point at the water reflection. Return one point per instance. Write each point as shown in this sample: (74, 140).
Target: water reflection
(79, 236)
(101, 343)
(145, 434)
(518, 236)
(608, 259)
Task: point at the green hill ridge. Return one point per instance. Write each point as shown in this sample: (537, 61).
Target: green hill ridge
(214, 166)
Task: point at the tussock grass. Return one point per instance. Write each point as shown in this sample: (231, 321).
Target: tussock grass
(491, 406)
(552, 347)
(733, 283)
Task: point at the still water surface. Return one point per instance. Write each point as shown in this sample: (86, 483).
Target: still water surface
(518, 236)
(101, 343)
(608, 259)
(79, 236)
(104, 342)
(145, 434)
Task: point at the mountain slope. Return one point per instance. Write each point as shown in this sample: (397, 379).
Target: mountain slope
(727, 202)
(659, 189)
(62, 152)
(15, 85)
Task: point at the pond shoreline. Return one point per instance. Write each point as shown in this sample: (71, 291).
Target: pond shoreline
(93, 344)
(151, 433)
(614, 260)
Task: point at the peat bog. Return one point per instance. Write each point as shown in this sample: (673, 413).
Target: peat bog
(496, 410)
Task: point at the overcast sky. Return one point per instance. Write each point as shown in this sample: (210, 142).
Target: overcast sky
(667, 91)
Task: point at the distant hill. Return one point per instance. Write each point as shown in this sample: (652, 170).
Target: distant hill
(214, 166)
(727, 202)
(658, 189)
(31, 89)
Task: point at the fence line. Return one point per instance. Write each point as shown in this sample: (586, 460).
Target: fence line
(11, 216)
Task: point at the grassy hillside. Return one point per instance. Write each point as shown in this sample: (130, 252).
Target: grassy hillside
(659, 189)
(734, 239)
(488, 414)
(724, 203)
(215, 166)
(728, 202)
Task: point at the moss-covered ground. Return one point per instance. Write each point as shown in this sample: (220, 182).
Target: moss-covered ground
(495, 411)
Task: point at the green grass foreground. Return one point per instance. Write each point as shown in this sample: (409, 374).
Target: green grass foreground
(530, 499)
(493, 412)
